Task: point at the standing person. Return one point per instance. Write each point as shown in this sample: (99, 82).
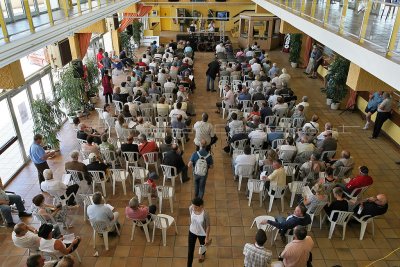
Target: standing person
(311, 61)
(107, 83)
(199, 228)
(39, 156)
(318, 59)
(204, 130)
(255, 255)
(384, 112)
(212, 72)
(374, 100)
(202, 161)
(99, 58)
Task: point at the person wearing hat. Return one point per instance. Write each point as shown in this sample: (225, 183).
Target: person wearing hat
(137, 211)
(55, 246)
(361, 180)
(56, 187)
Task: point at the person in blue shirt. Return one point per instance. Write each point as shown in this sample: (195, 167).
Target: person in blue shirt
(374, 100)
(244, 95)
(39, 156)
(200, 181)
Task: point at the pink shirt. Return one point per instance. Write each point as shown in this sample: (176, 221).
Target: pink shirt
(296, 253)
(139, 214)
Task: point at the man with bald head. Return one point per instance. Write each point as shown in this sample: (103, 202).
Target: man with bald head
(25, 236)
(200, 180)
(372, 206)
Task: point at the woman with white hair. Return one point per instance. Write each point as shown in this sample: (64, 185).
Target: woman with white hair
(137, 211)
(56, 187)
(75, 165)
(284, 77)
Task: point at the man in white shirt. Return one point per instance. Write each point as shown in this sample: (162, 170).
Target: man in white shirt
(56, 187)
(273, 99)
(244, 159)
(287, 150)
(228, 99)
(137, 88)
(220, 48)
(277, 81)
(328, 128)
(25, 236)
(235, 126)
(99, 212)
(169, 85)
(303, 146)
(177, 111)
(256, 68)
(204, 130)
(313, 125)
(257, 136)
(145, 59)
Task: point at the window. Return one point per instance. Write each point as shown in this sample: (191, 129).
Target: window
(47, 87)
(36, 90)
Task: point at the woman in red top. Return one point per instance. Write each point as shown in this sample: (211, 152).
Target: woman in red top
(99, 57)
(107, 86)
(254, 112)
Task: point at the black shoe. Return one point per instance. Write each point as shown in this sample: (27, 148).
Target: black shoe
(11, 224)
(372, 137)
(24, 214)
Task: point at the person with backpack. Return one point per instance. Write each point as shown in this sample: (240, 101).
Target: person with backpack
(201, 161)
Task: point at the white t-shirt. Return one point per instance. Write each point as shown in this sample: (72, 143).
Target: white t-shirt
(196, 224)
(204, 130)
(219, 49)
(229, 98)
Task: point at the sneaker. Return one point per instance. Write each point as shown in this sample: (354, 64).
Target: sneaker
(366, 126)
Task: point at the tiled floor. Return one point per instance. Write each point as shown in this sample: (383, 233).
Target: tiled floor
(230, 216)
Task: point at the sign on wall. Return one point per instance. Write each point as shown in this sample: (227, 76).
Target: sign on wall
(147, 40)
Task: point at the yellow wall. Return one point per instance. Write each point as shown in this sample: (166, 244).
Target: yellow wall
(74, 45)
(11, 76)
(389, 127)
(361, 80)
(97, 27)
(171, 10)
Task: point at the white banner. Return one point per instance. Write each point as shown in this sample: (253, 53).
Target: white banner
(147, 40)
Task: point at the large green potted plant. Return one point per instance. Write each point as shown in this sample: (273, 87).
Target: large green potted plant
(70, 92)
(336, 88)
(137, 31)
(295, 49)
(92, 80)
(46, 121)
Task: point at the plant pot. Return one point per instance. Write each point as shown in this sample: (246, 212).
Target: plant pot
(335, 106)
(294, 64)
(328, 101)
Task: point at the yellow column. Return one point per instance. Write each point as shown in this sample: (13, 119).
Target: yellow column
(98, 3)
(11, 76)
(3, 26)
(115, 41)
(286, 2)
(74, 45)
(49, 12)
(294, 4)
(78, 5)
(90, 4)
(303, 6)
(343, 18)
(313, 7)
(327, 7)
(29, 16)
(64, 6)
(364, 24)
(394, 34)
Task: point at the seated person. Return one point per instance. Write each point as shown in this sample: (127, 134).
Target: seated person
(10, 199)
(244, 159)
(303, 146)
(105, 144)
(311, 202)
(75, 165)
(280, 106)
(270, 157)
(265, 111)
(372, 206)
(345, 161)
(235, 126)
(328, 144)
(129, 146)
(329, 180)
(56, 187)
(276, 178)
(96, 165)
(55, 246)
(25, 236)
(361, 180)
(328, 128)
(137, 211)
(258, 95)
(179, 124)
(98, 212)
(312, 125)
(254, 123)
(288, 148)
(90, 146)
(254, 112)
(311, 169)
(174, 158)
(50, 213)
(167, 145)
(274, 134)
(244, 95)
(339, 203)
(298, 252)
(299, 113)
(146, 146)
(299, 217)
(84, 131)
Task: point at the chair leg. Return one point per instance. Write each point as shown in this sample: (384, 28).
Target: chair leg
(344, 231)
(105, 236)
(94, 239)
(254, 221)
(261, 198)
(250, 197)
(332, 227)
(77, 255)
(171, 204)
(292, 199)
(146, 232)
(373, 228)
(164, 236)
(240, 182)
(160, 200)
(103, 187)
(362, 230)
(133, 230)
(310, 225)
(113, 187)
(271, 201)
(163, 183)
(282, 203)
(154, 231)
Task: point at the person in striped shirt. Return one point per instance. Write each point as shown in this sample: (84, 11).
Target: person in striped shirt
(255, 255)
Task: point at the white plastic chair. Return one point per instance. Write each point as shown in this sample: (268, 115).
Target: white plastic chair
(118, 106)
(328, 154)
(162, 121)
(317, 212)
(142, 191)
(342, 171)
(109, 157)
(151, 158)
(269, 229)
(131, 158)
(271, 120)
(285, 122)
(144, 225)
(84, 154)
(225, 107)
(179, 135)
(100, 114)
(255, 186)
(343, 217)
(102, 228)
(99, 177)
(166, 192)
(279, 192)
(276, 144)
(163, 222)
(170, 172)
(298, 122)
(286, 155)
(296, 188)
(119, 175)
(87, 200)
(356, 193)
(364, 220)
(244, 171)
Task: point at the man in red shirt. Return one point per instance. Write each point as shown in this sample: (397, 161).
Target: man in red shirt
(146, 146)
(361, 180)
(141, 63)
(99, 57)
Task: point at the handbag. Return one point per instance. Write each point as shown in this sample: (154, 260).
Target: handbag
(202, 249)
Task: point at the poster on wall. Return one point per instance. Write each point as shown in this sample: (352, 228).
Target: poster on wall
(148, 40)
(286, 43)
(23, 112)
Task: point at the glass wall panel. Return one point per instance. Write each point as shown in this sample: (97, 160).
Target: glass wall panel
(36, 90)
(11, 159)
(4, 9)
(47, 87)
(23, 113)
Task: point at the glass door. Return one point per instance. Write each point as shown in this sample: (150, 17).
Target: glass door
(11, 159)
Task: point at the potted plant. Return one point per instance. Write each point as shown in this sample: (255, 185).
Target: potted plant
(137, 31)
(47, 118)
(69, 92)
(93, 81)
(295, 49)
(336, 88)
